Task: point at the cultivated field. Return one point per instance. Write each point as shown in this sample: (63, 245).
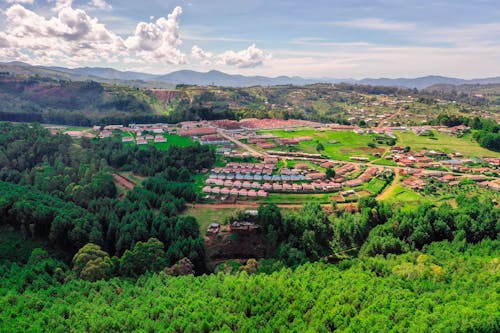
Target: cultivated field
(339, 145)
(444, 142)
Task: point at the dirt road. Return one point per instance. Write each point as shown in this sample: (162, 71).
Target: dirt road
(389, 189)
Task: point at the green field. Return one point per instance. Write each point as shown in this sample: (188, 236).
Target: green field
(295, 198)
(172, 140)
(375, 185)
(348, 143)
(444, 142)
(404, 195)
(205, 216)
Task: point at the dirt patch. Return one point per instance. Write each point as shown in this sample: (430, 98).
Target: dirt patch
(364, 193)
(123, 181)
(230, 245)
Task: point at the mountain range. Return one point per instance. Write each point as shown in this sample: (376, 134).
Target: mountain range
(213, 77)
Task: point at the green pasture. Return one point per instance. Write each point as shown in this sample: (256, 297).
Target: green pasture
(444, 142)
(348, 143)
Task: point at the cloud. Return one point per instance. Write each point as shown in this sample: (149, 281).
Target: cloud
(198, 53)
(375, 24)
(159, 40)
(73, 37)
(248, 58)
(101, 4)
(60, 4)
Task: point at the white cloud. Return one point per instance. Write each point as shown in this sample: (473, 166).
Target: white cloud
(248, 58)
(198, 53)
(60, 4)
(375, 24)
(158, 41)
(72, 37)
(101, 4)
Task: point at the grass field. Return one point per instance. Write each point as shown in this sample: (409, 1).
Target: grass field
(295, 198)
(205, 216)
(348, 143)
(444, 142)
(174, 140)
(405, 196)
(375, 185)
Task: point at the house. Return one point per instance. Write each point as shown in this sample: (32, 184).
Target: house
(302, 166)
(207, 189)
(160, 139)
(225, 191)
(316, 175)
(127, 139)
(140, 142)
(277, 187)
(256, 185)
(213, 229)
(354, 182)
(267, 187)
(252, 194)
(234, 192)
(327, 165)
(262, 194)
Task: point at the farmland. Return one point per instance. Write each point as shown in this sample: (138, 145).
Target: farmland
(338, 145)
(444, 142)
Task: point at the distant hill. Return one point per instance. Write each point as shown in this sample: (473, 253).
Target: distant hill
(426, 81)
(144, 80)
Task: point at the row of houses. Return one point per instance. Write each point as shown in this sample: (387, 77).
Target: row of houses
(140, 140)
(235, 192)
(258, 177)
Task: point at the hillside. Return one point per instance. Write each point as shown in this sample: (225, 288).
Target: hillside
(74, 102)
(34, 95)
(214, 77)
(450, 288)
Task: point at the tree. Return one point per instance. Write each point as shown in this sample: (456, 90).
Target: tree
(320, 147)
(145, 257)
(330, 173)
(91, 263)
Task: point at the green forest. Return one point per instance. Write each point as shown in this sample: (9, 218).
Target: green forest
(77, 256)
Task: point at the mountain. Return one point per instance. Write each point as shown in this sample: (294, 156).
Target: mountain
(213, 77)
(426, 81)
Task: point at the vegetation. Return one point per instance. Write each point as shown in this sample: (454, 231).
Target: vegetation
(89, 261)
(450, 287)
(53, 189)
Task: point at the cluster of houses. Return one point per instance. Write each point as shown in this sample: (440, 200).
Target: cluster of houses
(144, 140)
(255, 180)
(418, 178)
(431, 159)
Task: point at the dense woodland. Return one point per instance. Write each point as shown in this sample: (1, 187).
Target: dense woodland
(449, 287)
(56, 189)
(66, 235)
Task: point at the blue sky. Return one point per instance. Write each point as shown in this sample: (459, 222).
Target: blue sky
(379, 38)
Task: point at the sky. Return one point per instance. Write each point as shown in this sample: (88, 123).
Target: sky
(312, 39)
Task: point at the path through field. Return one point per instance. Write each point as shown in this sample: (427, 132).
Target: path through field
(389, 189)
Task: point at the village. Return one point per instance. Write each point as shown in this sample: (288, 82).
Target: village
(260, 162)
